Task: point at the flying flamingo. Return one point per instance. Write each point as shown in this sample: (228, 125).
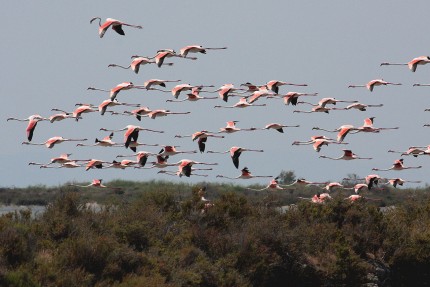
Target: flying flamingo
(315, 109)
(354, 197)
(81, 109)
(312, 140)
(413, 150)
(347, 155)
(421, 85)
(412, 64)
(225, 91)
(196, 49)
(32, 123)
(171, 150)
(241, 104)
(368, 126)
(122, 164)
(317, 144)
(131, 133)
(359, 187)
(327, 101)
(193, 97)
(69, 164)
(162, 113)
(398, 181)
(292, 97)
(371, 180)
(342, 131)
(272, 186)
(262, 92)
(278, 127)
(60, 117)
(168, 53)
(105, 142)
(115, 90)
(331, 186)
(95, 163)
(110, 103)
(246, 174)
(231, 128)
(202, 137)
(318, 198)
(115, 24)
(136, 62)
(251, 87)
(185, 87)
(141, 157)
(138, 113)
(160, 163)
(274, 85)
(398, 165)
(63, 158)
(178, 173)
(185, 167)
(359, 106)
(95, 183)
(53, 141)
(378, 82)
(235, 153)
(304, 182)
(157, 82)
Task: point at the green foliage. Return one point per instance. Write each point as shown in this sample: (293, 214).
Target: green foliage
(161, 234)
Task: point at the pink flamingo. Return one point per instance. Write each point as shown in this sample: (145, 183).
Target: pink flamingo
(95, 163)
(168, 53)
(278, 127)
(378, 82)
(95, 183)
(115, 24)
(262, 92)
(81, 109)
(368, 126)
(331, 186)
(359, 106)
(163, 113)
(225, 91)
(241, 104)
(63, 158)
(32, 123)
(235, 153)
(115, 90)
(398, 181)
(180, 174)
(60, 117)
(131, 133)
(304, 182)
(413, 150)
(51, 142)
(193, 97)
(318, 143)
(347, 155)
(246, 174)
(292, 97)
(202, 137)
(171, 150)
(196, 49)
(105, 142)
(141, 157)
(231, 128)
(157, 82)
(398, 165)
(272, 186)
(136, 62)
(412, 64)
(69, 164)
(110, 103)
(274, 85)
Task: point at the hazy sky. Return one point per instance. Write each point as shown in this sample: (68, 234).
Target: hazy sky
(51, 54)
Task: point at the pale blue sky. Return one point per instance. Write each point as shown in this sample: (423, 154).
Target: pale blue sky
(51, 54)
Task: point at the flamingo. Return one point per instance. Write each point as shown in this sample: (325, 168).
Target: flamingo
(181, 88)
(235, 153)
(138, 113)
(359, 187)
(160, 163)
(185, 167)
(122, 164)
(398, 165)
(274, 85)
(342, 131)
(292, 97)
(332, 185)
(69, 164)
(262, 92)
(318, 198)
(251, 87)
(412, 64)
(32, 123)
(105, 142)
(202, 137)
(95, 183)
(278, 127)
(63, 158)
(368, 126)
(141, 157)
(371, 179)
(315, 109)
(246, 174)
(108, 103)
(95, 163)
(115, 90)
(51, 142)
(136, 62)
(241, 104)
(312, 140)
(304, 182)
(414, 151)
(178, 173)
(196, 49)
(272, 186)
(326, 101)
(421, 85)
(317, 143)
(378, 82)
(231, 128)
(360, 107)
(171, 150)
(193, 97)
(398, 181)
(115, 24)
(61, 116)
(168, 53)
(225, 90)
(354, 197)
(347, 155)
(81, 109)
(163, 113)
(131, 133)
(162, 83)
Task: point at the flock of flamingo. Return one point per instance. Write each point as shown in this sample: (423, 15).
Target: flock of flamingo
(248, 95)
